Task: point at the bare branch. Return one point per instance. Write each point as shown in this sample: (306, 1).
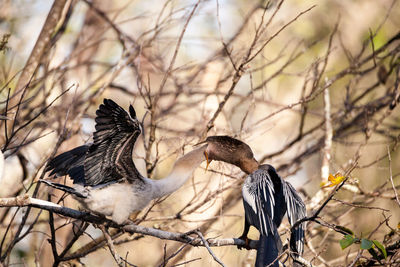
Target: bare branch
(25, 201)
(391, 178)
(110, 244)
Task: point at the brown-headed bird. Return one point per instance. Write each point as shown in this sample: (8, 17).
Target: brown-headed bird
(266, 199)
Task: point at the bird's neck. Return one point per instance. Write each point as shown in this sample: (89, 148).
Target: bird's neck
(248, 165)
(182, 170)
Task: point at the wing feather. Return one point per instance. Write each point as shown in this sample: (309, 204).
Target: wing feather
(71, 163)
(296, 210)
(114, 139)
(258, 199)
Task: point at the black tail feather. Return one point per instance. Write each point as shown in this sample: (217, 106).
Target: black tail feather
(64, 188)
(268, 251)
(296, 241)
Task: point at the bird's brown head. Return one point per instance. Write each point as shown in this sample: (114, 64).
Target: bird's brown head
(230, 150)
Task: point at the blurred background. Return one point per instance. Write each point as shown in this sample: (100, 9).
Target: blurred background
(311, 86)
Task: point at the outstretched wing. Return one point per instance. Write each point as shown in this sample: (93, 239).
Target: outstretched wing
(296, 210)
(109, 158)
(71, 163)
(258, 198)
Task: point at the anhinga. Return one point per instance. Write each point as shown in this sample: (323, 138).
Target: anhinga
(266, 199)
(105, 178)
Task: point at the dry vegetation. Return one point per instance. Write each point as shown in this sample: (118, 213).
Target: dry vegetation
(311, 86)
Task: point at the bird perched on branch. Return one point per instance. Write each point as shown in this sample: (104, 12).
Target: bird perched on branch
(105, 178)
(266, 199)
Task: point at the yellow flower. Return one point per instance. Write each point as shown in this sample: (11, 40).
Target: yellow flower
(335, 179)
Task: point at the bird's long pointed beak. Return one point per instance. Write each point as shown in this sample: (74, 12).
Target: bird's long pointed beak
(207, 160)
(199, 143)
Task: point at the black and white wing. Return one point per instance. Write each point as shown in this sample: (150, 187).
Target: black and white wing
(258, 199)
(71, 163)
(109, 158)
(296, 210)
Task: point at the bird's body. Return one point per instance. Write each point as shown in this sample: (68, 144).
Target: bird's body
(105, 178)
(266, 199)
(117, 200)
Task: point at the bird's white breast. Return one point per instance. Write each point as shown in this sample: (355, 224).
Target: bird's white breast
(117, 200)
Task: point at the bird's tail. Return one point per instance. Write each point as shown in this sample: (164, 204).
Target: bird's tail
(295, 242)
(268, 251)
(64, 188)
(71, 163)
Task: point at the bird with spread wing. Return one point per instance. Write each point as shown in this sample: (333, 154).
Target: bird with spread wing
(105, 177)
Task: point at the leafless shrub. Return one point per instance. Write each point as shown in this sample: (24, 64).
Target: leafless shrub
(294, 82)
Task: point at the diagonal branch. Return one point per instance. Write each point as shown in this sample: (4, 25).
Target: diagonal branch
(205, 242)
(111, 246)
(53, 19)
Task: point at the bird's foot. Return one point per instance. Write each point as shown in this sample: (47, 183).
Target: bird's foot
(246, 241)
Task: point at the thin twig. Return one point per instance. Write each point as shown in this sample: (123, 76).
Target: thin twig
(391, 177)
(208, 248)
(328, 136)
(110, 245)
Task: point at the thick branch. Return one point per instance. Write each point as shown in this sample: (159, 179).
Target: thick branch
(49, 27)
(24, 201)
